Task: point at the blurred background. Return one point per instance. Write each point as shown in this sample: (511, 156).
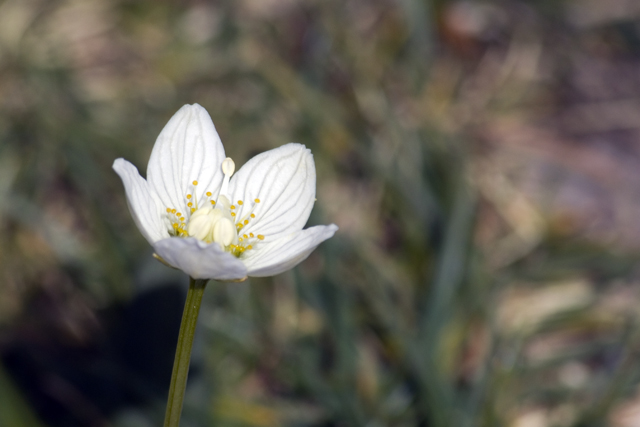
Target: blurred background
(482, 159)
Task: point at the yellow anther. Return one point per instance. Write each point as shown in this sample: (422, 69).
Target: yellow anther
(246, 221)
(245, 236)
(233, 206)
(182, 218)
(208, 193)
(257, 200)
(189, 204)
(253, 215)
(168, 210)
(260, 237)
(249, 247)
(193, 210)
(195, 182)
(173, 211)
(178, 214)
(240, 202)
(251, 235)
(175, 225)
(239, 226)
(213, 202)
(189, 196)
(233, 214)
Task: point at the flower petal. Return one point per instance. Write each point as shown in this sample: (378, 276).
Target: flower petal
(188, 149)
(200, 260)
(284, 180)
(285, 253)
(143, 204)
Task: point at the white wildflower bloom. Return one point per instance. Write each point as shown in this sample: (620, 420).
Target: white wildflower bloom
(203, 219)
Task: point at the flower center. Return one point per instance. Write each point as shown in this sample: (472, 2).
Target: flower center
(215, 222)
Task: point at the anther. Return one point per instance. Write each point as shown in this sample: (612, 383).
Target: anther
(228, 166)
(260, 237)
(168, 210)
(245, 236)
(208, 193)
(246, 221)
(253, 215)
(233, 206)
(240, 202)
(233, 214)
(189, 196)
(213, 202)
(251, 235)
(189, 204)
(195, 182)
(173, 211)
(257, 200)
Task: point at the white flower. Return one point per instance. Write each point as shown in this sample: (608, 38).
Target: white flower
(202, 219)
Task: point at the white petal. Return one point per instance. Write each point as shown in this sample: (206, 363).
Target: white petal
(284, 179)
(200, 260)
(188, 149)
(273, 258)
(144, 206)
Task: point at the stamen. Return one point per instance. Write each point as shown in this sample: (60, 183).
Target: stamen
(195, 197)
(221, 230)
(228, 167)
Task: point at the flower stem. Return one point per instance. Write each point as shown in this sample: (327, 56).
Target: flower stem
(183, 352)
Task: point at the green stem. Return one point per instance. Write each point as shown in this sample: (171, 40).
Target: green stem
(183, 352)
